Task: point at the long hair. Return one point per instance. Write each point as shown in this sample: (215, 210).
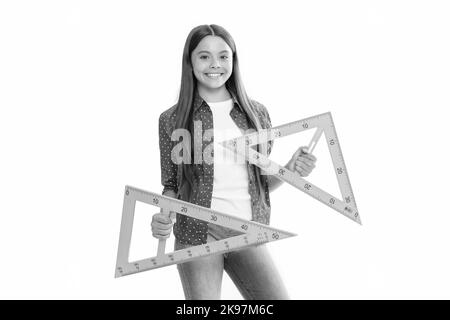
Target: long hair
(187, 92)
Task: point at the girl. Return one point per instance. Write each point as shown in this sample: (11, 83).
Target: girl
(212, 103)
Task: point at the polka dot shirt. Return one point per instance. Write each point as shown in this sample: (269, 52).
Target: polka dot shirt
(192, 231)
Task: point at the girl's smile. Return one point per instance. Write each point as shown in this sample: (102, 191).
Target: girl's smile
(214, 75)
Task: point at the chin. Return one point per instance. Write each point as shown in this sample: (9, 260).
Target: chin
(214, 86)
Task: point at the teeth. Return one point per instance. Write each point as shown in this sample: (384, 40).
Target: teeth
(213, 75)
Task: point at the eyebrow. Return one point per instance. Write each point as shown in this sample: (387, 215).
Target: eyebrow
(205, 51)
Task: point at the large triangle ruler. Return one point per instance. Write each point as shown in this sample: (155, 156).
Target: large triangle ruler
(323, 123)
(253, 233)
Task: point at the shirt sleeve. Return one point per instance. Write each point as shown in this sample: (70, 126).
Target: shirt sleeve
(168, 168)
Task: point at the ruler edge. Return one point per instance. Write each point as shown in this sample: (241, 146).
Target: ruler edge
(303, 180)
(196, 247)
(347, 174)
(127, 222)
(209, 210)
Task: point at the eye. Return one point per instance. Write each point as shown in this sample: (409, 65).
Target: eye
(204, 57)
(224, 57)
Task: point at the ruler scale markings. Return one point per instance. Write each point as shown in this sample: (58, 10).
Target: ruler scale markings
(126, 228)
(253, 233)
(347, 177)
(216, 247)
(196, 211)
(302, 184)
(344, 180)
(276, 132)
(346, 205)
(337, 164)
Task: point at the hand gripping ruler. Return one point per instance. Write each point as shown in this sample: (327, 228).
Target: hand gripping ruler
(254, 233)
(324, 123)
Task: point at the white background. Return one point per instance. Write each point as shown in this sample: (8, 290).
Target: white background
(82, 84)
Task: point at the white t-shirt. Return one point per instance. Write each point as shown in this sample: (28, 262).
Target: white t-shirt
(230, 188)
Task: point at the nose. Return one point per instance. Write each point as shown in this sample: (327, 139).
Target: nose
(214, 64)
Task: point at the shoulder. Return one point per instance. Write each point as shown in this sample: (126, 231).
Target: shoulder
(258, 105)
(168, 113)
(261, 111)
(167, 118)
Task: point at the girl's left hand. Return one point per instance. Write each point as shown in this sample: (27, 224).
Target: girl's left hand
(302, 162)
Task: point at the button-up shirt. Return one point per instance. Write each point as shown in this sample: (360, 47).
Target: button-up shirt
(192, 231)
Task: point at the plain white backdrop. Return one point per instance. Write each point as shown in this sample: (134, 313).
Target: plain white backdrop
(82, 84)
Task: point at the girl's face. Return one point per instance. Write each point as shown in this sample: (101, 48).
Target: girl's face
(212, 62)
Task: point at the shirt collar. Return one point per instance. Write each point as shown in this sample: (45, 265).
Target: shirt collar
(198, 100)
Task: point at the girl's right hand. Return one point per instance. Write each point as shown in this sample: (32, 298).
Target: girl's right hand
(161, 225)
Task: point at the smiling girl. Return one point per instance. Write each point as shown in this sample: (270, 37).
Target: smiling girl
(212, 95)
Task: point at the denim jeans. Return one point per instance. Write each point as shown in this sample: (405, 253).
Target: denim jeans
(251, 269)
